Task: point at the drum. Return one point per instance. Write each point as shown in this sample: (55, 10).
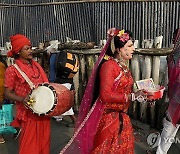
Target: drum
(51, 99)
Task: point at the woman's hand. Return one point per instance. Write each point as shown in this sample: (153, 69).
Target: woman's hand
(140, 93)
(140, 96)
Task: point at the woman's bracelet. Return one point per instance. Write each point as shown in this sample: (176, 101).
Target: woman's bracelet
(133, 98)
(139, 98)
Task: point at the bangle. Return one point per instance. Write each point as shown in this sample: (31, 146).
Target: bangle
(139, 98)
(133, 98)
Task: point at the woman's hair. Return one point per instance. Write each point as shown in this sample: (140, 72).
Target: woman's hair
(118, 43)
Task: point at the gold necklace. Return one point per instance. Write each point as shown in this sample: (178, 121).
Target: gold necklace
(122, 64)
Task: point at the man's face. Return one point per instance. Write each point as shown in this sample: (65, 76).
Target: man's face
(26, 52)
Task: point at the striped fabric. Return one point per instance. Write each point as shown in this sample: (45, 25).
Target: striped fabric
(66, 65)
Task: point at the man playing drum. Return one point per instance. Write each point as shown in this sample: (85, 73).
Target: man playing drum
(35, 130)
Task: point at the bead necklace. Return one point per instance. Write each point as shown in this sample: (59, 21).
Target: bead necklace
(122, 65)
(36, 73)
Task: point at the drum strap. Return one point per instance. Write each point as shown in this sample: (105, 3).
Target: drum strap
(32, 86)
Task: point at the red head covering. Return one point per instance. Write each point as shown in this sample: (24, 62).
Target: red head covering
(18, 41)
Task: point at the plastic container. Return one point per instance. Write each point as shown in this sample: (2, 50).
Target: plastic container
(155, 93)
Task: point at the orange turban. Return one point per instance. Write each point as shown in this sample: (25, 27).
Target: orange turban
(18, 41)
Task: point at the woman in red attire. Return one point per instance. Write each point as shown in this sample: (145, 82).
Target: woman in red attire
(35, 130)
(103, 124)
(114, 133)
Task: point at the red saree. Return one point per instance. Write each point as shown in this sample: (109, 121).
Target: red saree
(114, 133)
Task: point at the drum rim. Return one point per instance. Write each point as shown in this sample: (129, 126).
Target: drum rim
(55, 99)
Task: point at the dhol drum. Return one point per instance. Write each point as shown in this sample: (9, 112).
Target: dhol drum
(51, 99)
